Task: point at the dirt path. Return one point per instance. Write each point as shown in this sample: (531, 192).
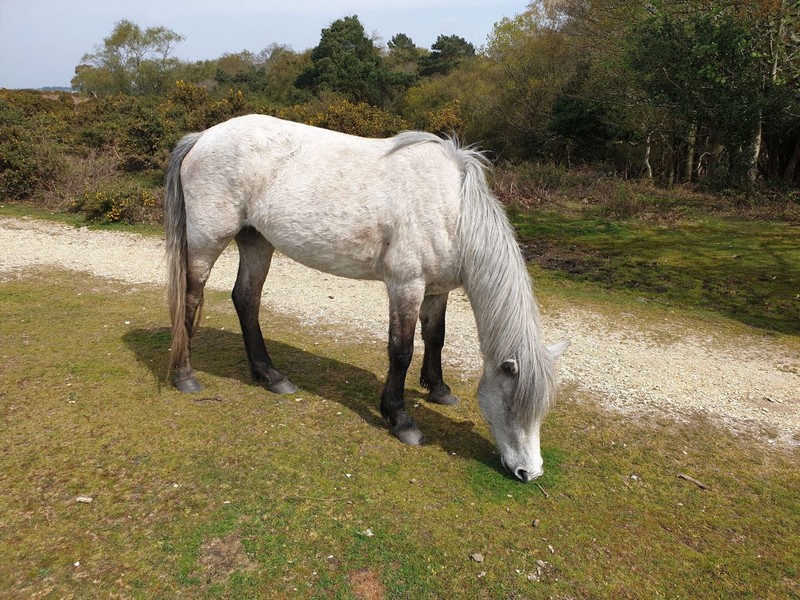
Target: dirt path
(631, 362)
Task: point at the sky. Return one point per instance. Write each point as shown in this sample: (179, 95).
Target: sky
(42, 41)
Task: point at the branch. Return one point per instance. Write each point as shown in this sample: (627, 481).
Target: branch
(699, 484)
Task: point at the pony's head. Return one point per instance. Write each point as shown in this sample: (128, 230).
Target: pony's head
(515, 430)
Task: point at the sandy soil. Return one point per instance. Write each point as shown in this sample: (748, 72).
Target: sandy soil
(630, 362)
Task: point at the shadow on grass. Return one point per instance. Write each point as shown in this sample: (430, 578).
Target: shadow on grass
(221, 353)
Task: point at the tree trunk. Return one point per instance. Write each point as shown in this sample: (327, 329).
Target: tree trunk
(791, 168)
(691, 142)
(757, 137)
(647, 164)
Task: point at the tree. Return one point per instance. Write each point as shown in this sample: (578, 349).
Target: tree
(583, 117)
(403, 55)
(704, 68)
(532, 61)
(242, 70)
(347, 62)
(446, 54)
(283, 66)
(130, 61)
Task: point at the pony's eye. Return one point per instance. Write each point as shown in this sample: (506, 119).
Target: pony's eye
(509, 367)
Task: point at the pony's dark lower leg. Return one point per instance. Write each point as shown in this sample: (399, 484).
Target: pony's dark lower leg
(402, 323)
(432, 316)
(255, 256)
(185, 380)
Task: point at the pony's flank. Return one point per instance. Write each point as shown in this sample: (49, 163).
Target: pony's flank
(496, 280)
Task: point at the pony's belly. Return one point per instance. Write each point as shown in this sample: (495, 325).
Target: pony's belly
(352, 265)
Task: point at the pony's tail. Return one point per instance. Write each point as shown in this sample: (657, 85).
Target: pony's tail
(177, 252)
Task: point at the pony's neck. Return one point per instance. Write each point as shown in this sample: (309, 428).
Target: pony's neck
(499, 289)
(497, 283)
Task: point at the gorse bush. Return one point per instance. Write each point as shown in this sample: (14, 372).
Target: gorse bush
(447, 120)
(34, 134)
(344, 116)
(124, 203)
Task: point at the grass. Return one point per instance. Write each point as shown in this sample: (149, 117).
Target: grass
(238, 493)
(676, 254)
(22, 210)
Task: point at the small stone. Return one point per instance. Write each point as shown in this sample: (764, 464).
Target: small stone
(84, 499)
(536, 522)
(477, 557)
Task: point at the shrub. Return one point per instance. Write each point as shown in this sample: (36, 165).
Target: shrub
(346, 117)
(526, 184)
(447, 119)
(622, 203)
(31, 147)
(122, 203)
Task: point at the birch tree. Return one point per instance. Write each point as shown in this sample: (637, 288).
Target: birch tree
(131, 60)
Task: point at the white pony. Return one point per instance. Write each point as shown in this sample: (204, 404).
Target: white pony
(413, 211)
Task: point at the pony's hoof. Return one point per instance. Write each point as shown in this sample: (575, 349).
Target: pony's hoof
(284, 386)
(445, 399)
(409, 435)
(189, 385)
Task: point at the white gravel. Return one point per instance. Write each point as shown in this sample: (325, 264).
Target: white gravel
(637, 363)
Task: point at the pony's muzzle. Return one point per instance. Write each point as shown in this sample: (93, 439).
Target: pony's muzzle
(526, 476)
(522, 474)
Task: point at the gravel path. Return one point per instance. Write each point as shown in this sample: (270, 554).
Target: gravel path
(627, 361)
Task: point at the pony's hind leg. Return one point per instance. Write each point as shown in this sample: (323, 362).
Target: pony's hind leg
(186, 301)
(432, 316)
(403, 314)
(255, 256)
(196, 277)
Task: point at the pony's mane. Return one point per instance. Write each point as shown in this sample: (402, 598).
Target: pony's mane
(496, 280)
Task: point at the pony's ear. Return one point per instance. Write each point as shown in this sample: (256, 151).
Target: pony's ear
(509, 367)
(556, 350)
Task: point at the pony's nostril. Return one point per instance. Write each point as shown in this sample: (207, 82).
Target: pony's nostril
(523, 475)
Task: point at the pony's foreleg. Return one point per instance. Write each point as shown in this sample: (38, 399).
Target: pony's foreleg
(255, 256)
(403, 313)
(431, 315)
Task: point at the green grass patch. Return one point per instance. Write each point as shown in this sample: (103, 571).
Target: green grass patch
(23, 210)
(747, 270)
(238, 493)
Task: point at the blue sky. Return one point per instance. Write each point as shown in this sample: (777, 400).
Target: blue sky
(41, 41)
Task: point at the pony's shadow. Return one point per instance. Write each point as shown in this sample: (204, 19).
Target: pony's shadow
(354, 388)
